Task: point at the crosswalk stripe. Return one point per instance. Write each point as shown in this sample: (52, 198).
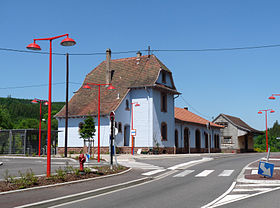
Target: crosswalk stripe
(184, 173)
(226, 173)
(204, 173)
(153, 172)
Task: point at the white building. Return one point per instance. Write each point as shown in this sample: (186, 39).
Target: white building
(143, 80)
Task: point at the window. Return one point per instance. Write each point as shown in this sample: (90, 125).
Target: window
(163, 131)
(227, 140)
(126, 105)
(81, 124)
(197, 139)
(225, 124)
(120, 127)
(163, 102)
(163, 76)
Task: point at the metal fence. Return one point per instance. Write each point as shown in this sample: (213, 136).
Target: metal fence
(25, 141)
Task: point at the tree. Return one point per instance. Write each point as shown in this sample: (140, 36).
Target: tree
(5, 120)
(87, 129)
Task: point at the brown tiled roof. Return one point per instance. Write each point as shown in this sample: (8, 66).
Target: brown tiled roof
(128, 73)
(184, 115)
(238, 122)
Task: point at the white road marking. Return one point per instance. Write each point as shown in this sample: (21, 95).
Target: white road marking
(254, 172)
(229, 198)
(139, 165)
(184, 173)
(190, 163)
(250, 190)
(204, 173)
(226, 173)
(153, 172)
(256, 185)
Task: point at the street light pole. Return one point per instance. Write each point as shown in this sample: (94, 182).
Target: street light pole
(87, 86)
(260, 112)
(40, 118)
(33, 46)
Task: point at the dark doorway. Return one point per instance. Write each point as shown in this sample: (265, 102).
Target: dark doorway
(197, 140)
(206, 140)
(246, 142)
(176, 138)
(126, 135)
(186, 140)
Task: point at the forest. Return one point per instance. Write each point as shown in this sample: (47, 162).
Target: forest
(273, 139)
(22, 114)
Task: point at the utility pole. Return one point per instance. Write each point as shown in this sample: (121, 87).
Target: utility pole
(66, 104)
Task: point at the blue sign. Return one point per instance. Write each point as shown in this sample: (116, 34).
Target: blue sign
(266, 169)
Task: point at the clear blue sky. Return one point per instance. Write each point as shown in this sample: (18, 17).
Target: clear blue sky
(237, 83)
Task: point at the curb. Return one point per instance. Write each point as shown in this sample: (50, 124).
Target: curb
(74, 197)
(65, 183)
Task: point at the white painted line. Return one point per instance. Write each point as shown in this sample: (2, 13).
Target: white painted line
(256, 185)
(226, 173)
(204, 173)
(190, 163)
(184, 173)
(250, 190)
(153, 172)
(229, 198)
(254, 172)
(220, 197)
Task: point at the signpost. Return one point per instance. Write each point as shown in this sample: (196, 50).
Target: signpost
(266, 169)
(112, 119)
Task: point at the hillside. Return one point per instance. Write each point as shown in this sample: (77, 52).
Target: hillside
(21, 113)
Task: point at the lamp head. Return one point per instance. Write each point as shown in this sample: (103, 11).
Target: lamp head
(33, 46)
(111, 87)
(68, 42)
(271, 97)
(137, 104)
(46, 103)
(259, 112)
(34, 101)
(272, 111)
(87, 86)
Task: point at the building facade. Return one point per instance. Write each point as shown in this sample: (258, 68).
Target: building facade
(236, 136)
(194, 134)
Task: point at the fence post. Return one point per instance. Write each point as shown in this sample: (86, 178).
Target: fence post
(10, 141)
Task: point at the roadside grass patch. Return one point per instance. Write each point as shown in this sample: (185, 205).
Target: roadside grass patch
(68, 173)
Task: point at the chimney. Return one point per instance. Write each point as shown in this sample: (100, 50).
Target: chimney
(108, 59)
(186, 108)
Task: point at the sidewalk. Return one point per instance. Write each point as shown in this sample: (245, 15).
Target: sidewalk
(250, 172)
(51, 195)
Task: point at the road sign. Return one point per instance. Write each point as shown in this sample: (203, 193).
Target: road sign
(266, 169)
(133, 132)
(112, 116)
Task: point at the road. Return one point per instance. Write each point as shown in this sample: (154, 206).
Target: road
(191, 187)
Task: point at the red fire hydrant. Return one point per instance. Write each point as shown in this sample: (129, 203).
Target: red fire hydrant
(82, 160)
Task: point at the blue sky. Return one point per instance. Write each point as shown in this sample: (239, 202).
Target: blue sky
(237, 82)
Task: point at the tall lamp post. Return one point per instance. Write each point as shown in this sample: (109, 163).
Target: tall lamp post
(260, 112)
(40, 118)
(87, 86)
(33, 46)
(132, 137)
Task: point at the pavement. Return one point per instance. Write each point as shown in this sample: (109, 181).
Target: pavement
(56, 194)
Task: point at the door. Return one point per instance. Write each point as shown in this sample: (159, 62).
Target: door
(186, 140)
(126, 135)
(176, 138)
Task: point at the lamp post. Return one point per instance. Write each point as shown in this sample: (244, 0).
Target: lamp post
(33, 46)
(40, 118)
(87, 86)
(132, 137)
(260, 112)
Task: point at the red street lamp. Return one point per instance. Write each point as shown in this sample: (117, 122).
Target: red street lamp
(132, 137)
(272, 96)
(33, 46)
(45, 103)
(260, 112)
(87, 86)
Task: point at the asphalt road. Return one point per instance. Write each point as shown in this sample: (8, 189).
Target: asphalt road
(188, 191)
(270, 199)
(37, 165)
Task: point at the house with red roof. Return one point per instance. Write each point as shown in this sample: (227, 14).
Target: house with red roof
(141, 80)
(194, 133)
